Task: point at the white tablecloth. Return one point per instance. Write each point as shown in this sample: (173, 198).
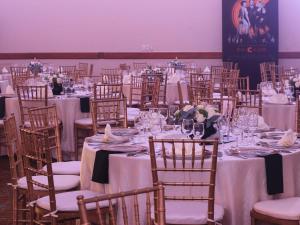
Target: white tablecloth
(239, 183)
(280, 116)
(68, 110)
(6, 76)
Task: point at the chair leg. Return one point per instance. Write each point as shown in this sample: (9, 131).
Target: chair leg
(14, 206)
(253, 220)
(76, 142)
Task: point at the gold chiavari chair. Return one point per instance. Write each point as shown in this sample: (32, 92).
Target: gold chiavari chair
(139, 66)
(109, 111)
(243, 83)
(196, 77)
(230, 65)
(67, 69)
(265, 71)
(14, 152)
(251, 99)
(31, 97)
(297, 114)
(277, 72)
(53, 207)
(200, 90)
(182, 158)
(124, 66)
(111, 79)
(19, 75)
(111, 71)
(229, 87)
(150, 91)
(181, 102)
(44, 119)
(127, 199)
(162, 101)
(135, 91)
(108, 91)
(84, 68)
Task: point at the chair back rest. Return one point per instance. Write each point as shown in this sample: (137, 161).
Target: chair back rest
(184, 164)
(150, 90)
(136, 83)
(135, 199)
(108, 91)
(139, 66)
(250, 99)
(37, 155)
(14, 149)
(243, 83)
(19, 75)
(111, 71)
(297, 114)
(31, 97)
(112, 111)
(111, 79)
(44, 119)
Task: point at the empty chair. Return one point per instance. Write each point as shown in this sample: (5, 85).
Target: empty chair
(19, 75)
(51, 207)
(139, 66)
(44, 119)
(140, 199)
(188, 178)
(31, 97)
(250, 99)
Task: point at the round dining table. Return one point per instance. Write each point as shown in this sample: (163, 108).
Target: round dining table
(240, 181)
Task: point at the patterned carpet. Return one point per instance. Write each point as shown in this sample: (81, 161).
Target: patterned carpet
(5, 193)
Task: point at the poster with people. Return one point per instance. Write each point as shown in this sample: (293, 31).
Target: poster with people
(250, 30)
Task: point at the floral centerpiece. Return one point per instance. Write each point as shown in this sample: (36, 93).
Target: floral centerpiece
(149, 70)
(203, 113)
(176, 64)
(35, 67)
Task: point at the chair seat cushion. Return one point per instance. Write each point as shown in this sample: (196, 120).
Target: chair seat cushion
(189, 212)
(287, 208)
(132, 113)
(65, 168)
(84, 121)
(61, 182)
(67, 201)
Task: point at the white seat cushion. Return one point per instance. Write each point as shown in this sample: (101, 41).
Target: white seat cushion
(65, 168)
(287, 208)
(61, 182)
(67, 201)
(132, 113)
(189, 212)
(84, 121)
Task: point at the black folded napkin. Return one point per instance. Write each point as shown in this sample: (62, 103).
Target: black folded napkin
(85, 104)
(274, 173)
(209, 131)
(101, 166)
(2, 107)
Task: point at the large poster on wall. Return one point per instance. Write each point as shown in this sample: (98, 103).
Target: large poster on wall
(250, 34)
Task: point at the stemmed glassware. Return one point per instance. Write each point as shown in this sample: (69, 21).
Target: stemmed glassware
(199, 130)
(253, 124)
(187, 127)
(289, 91)
(278, 87)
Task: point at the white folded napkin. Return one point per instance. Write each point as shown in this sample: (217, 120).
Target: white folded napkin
(288, 139)
(4, 70)
(50, 93)
(109, 137)
(262, 124)
(278, 99)
(206, 70)
(9, 90)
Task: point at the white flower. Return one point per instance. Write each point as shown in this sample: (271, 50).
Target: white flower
(187, 108)
(200, 107)
(59, 80)
(199, 117)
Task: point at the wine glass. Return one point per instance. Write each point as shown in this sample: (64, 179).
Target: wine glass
(187, 127)
(253, 124)
(199, 129)
(278, 87)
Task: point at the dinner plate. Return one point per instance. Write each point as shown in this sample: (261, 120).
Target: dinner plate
(124, 148)
(98, 139)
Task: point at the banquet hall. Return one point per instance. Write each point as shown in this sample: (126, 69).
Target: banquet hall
(149, 112)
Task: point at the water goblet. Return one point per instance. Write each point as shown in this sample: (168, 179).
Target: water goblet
(187, 127)
(199, 129)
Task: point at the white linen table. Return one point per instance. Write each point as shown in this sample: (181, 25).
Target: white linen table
(239, 183)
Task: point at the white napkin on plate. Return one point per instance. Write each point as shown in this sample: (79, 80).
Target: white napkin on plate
(109, 137)
(4, 70)
(268, 91)
(9, 90)
(262, 124)
(278, 99)
(288, 139)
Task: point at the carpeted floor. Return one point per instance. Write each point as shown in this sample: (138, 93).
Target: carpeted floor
(5, 193)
